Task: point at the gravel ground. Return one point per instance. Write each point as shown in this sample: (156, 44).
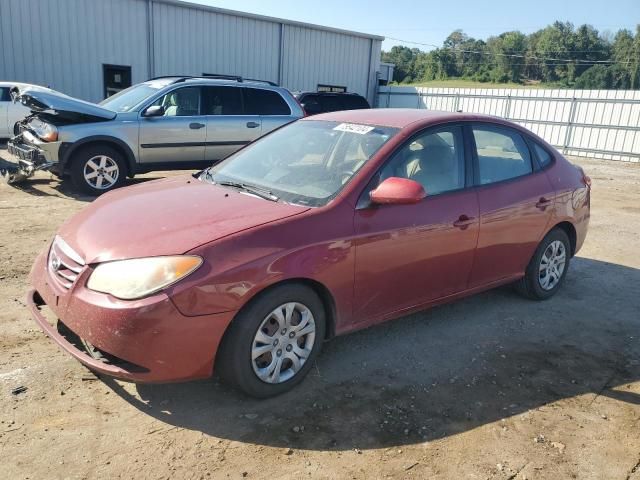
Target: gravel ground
(494, 386)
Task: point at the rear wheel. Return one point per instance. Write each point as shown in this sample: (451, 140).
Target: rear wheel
(97, 169)
(272, 343)
(548, 267)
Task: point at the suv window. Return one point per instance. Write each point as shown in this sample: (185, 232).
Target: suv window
(354, 102)
(433, 159)
(311, 104)
(544, 158)
(330, 103)
(264, 102)
(502, 154)
(222, 101)
(182, 102)
(4, 94)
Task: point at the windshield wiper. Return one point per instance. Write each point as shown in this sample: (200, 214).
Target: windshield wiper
(253, 189)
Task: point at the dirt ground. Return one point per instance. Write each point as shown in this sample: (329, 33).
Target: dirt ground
(494, 386)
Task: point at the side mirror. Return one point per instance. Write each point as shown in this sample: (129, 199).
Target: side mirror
(154, 111)
(398, 191)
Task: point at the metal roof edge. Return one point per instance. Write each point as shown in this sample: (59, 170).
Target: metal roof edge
(265, 18)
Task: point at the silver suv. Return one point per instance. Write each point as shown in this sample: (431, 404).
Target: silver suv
(164, 123)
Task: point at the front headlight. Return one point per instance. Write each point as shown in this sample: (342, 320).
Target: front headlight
(139, 277)
(45, 131)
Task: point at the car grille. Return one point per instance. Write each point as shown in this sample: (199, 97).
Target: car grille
(64, 263)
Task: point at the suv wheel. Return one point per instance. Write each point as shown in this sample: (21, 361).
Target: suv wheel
(97, 169)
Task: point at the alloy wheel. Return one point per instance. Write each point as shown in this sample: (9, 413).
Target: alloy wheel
(552, 264)
(283, 343)
(101, 172)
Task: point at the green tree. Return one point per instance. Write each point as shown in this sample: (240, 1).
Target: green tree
(580, 58)
(508, 52)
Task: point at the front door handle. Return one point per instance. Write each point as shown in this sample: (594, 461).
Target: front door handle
(253, 124)
(543, 203)
(196, 126)
(463, 222)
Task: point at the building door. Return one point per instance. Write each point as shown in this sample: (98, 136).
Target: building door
(116, 78)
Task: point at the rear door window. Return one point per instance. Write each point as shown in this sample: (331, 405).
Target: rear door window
(502, 154)
(264, 102)
(222, 101)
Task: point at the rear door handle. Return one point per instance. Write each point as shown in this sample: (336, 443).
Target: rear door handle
(253, 124)
(196, 126)
(463, 222)
(543, 203)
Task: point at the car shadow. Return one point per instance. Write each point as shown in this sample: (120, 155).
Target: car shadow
(436, 373)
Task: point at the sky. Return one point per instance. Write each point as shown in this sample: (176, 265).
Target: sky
(430, 22)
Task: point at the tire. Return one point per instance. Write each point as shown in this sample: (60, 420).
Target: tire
(93, 168)
(537, 285)
(235, 363)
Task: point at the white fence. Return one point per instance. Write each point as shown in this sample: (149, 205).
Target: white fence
(591, 123)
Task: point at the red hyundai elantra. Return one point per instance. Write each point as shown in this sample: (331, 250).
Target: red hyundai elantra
(331, 224)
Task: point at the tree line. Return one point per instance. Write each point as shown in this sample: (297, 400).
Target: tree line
(558, 54)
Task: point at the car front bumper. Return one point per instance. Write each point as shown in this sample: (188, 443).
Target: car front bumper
(150, 340)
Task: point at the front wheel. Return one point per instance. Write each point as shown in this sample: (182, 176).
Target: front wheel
(272, 343)
(97, 169)
(548, 267)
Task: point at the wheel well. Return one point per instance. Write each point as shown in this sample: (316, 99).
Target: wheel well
(106, 143)
(320, 290)
(570, 230)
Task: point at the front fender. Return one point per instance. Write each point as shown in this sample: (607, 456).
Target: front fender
(67, 150)
(239, 267)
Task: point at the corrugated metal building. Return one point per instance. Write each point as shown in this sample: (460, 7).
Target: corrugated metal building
(88, 48)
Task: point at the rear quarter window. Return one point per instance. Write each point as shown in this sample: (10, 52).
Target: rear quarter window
(264, 102)
(544, 157)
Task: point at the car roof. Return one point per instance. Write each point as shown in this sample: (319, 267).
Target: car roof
(400, 117)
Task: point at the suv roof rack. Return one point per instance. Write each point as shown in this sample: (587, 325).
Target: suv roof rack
(237, 78)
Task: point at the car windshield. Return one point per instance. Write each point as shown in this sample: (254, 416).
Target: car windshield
(131, 97)
(306, 163)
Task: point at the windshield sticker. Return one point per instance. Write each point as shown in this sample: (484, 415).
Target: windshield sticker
(354, 128)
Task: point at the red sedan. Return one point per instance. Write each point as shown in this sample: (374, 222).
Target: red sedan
(331, 224)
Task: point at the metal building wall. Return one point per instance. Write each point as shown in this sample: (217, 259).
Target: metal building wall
(194, 41)
(311, 57)
(64, 43)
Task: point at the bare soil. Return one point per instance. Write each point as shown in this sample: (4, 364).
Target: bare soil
(494, 386)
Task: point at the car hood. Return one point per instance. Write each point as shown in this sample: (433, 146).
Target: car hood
(166, 217)
(62, 106)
